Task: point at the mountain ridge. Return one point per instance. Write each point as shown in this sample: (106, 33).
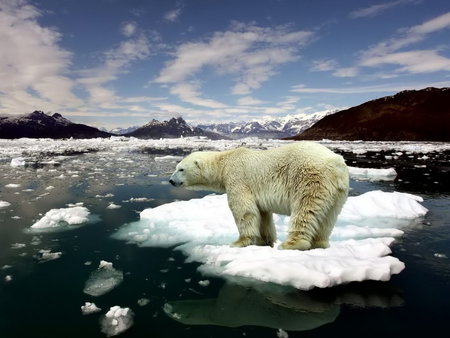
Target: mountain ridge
(410, 115)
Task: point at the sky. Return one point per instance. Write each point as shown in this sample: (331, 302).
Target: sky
(118, 63)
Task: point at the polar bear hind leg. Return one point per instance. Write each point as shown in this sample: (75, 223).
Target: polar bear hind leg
(267, 228)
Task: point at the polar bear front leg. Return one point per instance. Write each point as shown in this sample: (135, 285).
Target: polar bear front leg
(247, 218)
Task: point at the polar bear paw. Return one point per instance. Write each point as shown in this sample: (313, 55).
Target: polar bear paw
(295, 244)
(244, 241)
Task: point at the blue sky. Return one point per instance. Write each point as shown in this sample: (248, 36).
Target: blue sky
(124, 62)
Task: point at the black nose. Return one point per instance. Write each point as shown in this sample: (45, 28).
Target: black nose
(172, 182)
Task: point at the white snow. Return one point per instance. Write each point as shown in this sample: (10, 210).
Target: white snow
(371, 174)
(103, 280)
(89, 308)
(359, 248)
(62, 219)
(4, 204)
(116, 320)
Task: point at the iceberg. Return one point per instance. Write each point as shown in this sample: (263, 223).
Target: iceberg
(103, 280)
(359, 249)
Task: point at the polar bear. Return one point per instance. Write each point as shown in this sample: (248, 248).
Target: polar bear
(305, 180)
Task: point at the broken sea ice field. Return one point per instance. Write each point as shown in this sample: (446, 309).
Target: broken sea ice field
(163, 254)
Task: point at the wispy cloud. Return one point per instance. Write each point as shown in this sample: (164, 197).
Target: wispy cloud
(377, 9)
(114, 63)
(248, 53)
(382, 88)
(189, 93)
(174, 14)
(392, 51)
(128, 29)
(31, 55)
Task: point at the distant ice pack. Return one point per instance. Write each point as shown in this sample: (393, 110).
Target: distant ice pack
(359, 249)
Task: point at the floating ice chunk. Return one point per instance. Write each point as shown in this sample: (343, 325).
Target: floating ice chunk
(18, 245)
(89, 308)
(204, 283)
(103, 280)
(282, 334)
(143, 301)
(138, 199)
(12, 185)
(168, 158)
(4, 204)
(18, 162)
(8, 278)
(116, 320)
(47, 255)
(62, 219)
(359, 247)
(112, 205)
(370, 174)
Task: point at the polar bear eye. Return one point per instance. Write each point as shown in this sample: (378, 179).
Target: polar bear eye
(181, 169)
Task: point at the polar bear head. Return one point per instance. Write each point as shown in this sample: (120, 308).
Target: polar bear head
(195, 172)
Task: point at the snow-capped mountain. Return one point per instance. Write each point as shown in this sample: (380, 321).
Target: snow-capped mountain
(123, 131)
(267, 128)
(40, 125)
(174, 128)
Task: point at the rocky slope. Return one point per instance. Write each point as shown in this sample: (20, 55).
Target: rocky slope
(40, 125)
(411, 115)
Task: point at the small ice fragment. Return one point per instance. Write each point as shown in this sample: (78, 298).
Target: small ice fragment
(18, 162)
(18, 245)
(440, 255)
(116, 320)
(47, 255)
(6, 266)
(8, 278)
(12, 185)
(89, 308)
(113, 206)
(282, 334)
(143, 301)
(204, 283)
(4, 204)
(103, 280)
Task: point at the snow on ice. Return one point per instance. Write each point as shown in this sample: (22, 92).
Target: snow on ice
(359, 248)
(62, 219)
(103, 280)
(116, 320)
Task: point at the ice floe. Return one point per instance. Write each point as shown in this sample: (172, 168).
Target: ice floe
(103, 280)
(62, 219)
(371, 174)
(359, 250)
(116, 320)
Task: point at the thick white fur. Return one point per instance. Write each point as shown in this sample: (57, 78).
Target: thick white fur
(304, 180)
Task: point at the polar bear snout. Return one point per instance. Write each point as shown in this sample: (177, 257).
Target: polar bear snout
(175, 183)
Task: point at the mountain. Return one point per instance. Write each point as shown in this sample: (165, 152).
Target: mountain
(40, 125)
(268, 128)
(174, 128)
(123, 131)
(410, 115)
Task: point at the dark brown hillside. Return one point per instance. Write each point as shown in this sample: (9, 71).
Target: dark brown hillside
(411, 115)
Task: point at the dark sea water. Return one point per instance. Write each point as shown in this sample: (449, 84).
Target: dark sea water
(43, 298)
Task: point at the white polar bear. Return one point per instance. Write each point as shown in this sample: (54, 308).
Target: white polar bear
(304, 180)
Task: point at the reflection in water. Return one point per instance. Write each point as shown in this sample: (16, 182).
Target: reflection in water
(279, 307)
